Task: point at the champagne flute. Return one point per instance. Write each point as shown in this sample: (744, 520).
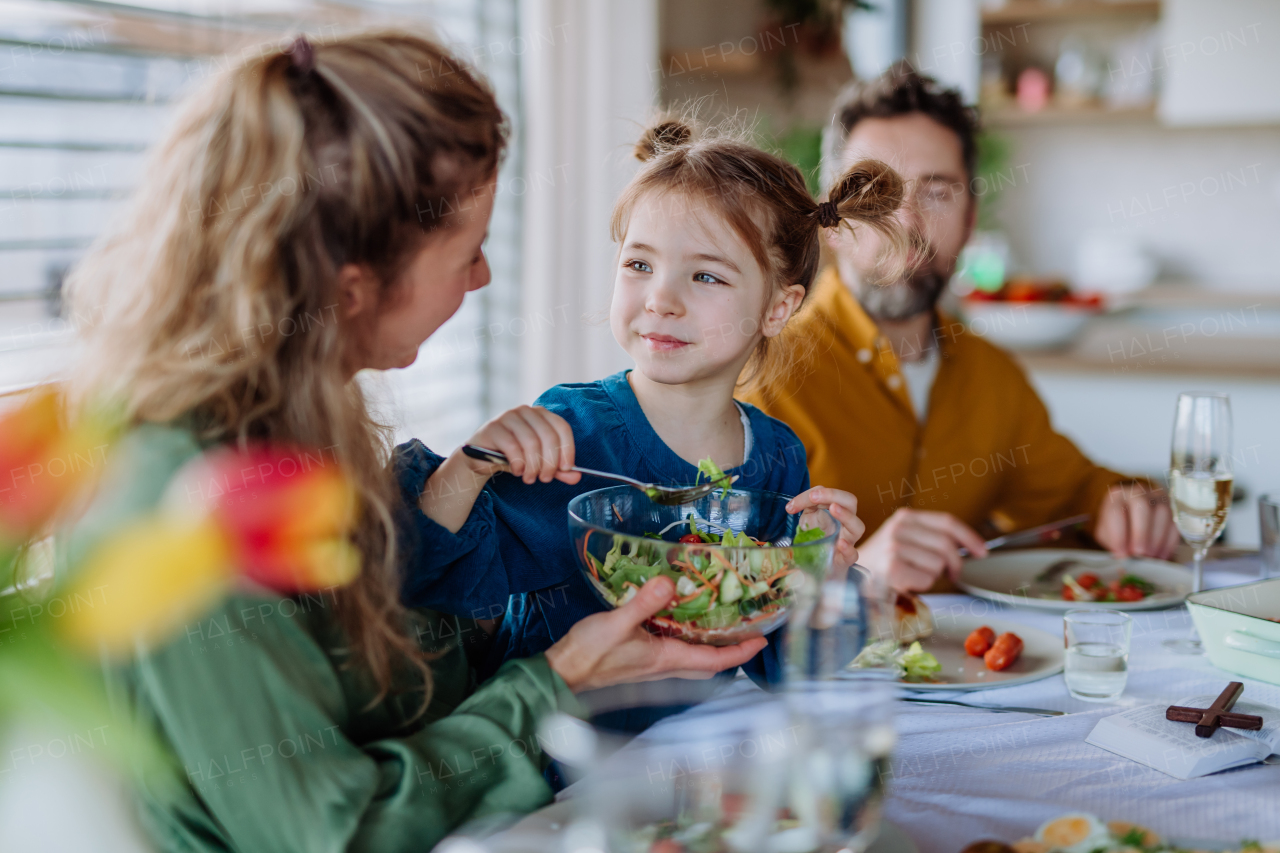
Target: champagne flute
(1200, 482)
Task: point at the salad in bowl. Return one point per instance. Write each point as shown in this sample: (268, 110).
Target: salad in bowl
(737, 557)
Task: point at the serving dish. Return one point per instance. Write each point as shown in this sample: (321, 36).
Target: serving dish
(1238, 627)
(1028, 325)
(727, 590)
(1009, 578)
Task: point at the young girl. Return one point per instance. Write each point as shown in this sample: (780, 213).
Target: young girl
(718, 244)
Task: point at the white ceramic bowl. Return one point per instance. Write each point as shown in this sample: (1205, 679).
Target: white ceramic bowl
(1027, 325)
(1236, 625)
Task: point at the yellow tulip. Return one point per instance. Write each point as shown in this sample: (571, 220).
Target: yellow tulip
(145, 581)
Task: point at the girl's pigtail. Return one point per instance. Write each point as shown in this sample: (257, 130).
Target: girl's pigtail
(870, 193)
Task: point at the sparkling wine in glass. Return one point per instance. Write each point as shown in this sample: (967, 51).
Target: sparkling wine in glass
(1200, 481)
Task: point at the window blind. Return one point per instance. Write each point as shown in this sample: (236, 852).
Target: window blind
(86, 87)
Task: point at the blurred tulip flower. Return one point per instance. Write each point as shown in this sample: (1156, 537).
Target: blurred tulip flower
(43, 460)
(275, 516)
(145, 581)
(287, 514)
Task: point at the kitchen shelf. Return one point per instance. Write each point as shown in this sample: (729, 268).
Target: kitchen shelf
(1014, 117)
(693, 60)
(1030, 11)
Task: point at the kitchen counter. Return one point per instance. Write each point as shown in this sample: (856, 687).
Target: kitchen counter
(1176, 330)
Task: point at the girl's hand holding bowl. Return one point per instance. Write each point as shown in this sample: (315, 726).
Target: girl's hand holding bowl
(843, 506)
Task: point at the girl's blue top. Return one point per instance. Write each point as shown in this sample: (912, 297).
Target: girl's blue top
(514, 557)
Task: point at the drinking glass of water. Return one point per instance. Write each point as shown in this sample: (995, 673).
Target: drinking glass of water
(1097, 666)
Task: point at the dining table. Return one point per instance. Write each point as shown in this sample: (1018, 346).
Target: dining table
(960, 774)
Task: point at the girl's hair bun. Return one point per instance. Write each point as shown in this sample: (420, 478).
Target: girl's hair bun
(661, 138)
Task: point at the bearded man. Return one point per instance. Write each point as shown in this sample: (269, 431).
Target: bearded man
(934, 429)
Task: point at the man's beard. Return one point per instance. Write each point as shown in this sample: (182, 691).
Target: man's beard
(903, 298)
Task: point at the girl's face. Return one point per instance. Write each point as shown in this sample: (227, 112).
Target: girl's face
(689, 301)
(387, 325)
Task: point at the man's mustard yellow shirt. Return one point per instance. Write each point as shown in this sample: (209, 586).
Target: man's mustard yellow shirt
(986, 452)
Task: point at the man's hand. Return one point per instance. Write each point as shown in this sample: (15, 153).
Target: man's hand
(614, 648)
(1135, 521)
(843, 506)
(915, 547)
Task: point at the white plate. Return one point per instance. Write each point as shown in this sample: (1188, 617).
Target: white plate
(1001, 576)
(1041, 654)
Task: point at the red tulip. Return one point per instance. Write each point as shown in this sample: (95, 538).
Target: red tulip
(279, 517)
(43, 460)
(287, 514)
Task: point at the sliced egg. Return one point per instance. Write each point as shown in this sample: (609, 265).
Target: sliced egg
(1074, 833)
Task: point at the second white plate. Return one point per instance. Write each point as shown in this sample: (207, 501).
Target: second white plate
(1008, 577)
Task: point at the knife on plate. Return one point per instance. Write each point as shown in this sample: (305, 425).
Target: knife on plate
(1033, 535)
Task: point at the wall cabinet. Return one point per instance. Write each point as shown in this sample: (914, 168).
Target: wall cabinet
(1221, 61)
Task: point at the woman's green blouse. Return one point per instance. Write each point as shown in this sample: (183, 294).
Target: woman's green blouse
(283, 746)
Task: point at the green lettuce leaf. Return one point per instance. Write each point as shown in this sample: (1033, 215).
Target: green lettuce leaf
(709, 469)
(918, 665)
(809, 534)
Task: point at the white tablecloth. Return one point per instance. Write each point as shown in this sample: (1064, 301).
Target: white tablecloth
(961, 774)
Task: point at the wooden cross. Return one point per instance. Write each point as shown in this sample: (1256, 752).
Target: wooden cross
(1208, 720)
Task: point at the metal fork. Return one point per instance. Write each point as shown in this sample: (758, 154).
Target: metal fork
(999, 709)
(665, 495)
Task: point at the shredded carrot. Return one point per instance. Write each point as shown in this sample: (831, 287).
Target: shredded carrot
(688, 567)
(586, 556)
(699, 576)
(722, 559)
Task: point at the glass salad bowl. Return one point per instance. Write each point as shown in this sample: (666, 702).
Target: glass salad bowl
(740, 561)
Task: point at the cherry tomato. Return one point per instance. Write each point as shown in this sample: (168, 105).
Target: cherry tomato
(691, 538)
(1005, 651)
(1088, 580)
(732, 806)
(1067, 594)
(979, 641)
(1024, 292)
(1130, 593)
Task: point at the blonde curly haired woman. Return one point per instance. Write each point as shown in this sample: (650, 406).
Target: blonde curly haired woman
(301, 223)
